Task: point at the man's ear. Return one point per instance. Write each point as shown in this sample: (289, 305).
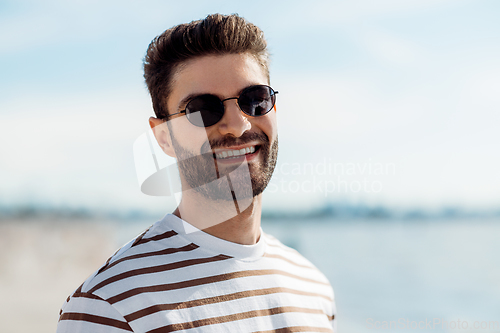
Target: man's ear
(162, 135)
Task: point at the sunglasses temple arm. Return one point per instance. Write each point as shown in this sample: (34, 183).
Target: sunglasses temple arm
(173, 114)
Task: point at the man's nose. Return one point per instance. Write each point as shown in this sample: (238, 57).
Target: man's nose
(233, 122)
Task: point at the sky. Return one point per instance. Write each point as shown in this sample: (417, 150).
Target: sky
(385, 102)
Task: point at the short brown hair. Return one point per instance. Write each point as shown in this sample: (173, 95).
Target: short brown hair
(216, 34)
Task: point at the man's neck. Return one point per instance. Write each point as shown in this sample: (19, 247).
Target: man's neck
(223, 220)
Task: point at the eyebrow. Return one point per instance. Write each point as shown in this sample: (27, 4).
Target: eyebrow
(185, 100)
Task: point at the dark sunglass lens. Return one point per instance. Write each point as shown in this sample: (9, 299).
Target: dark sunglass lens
(257, 100)
(210, 110)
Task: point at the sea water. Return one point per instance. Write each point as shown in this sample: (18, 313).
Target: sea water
(388, 276)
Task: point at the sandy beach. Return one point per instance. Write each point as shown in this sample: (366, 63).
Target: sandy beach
(42, 261)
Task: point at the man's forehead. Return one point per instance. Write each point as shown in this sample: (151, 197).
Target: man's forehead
(220, 75)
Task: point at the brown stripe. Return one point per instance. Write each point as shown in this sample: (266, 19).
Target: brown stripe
(277, 256)
(297, 329)
(186, 248)
(332, 317)
(96, 319)
(204, 280)
(78, 290)
(217, 299)
(138, 239)
(86, 295)
(281, 246)
(157, 269)
(167, 234)
(233, 317)
(105, 266)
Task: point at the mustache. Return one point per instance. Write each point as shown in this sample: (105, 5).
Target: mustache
(231, 140)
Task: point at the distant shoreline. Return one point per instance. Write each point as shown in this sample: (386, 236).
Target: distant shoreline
(327, 211)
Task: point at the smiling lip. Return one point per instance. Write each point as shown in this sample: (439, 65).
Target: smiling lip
(236, 154)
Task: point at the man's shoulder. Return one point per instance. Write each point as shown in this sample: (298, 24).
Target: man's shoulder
(287, 254)
(275, 246)
(157, 246)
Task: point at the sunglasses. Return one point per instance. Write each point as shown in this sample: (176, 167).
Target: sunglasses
(254, 101)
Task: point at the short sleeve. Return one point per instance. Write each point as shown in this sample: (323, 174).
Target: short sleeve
(85, 312)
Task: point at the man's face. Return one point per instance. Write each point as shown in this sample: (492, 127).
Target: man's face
(202, 161)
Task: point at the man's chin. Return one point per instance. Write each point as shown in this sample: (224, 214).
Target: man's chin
(234, 182)
(231, 179)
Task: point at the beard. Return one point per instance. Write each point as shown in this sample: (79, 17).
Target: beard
(211, 179)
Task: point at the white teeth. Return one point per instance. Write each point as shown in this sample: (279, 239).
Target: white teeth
(234, 153)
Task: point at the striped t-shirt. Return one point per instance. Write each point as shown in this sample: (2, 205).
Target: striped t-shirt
(170, 280)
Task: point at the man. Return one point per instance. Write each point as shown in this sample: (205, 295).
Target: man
(208, 267)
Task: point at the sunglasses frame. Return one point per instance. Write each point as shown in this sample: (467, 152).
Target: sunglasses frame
(273, 93)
